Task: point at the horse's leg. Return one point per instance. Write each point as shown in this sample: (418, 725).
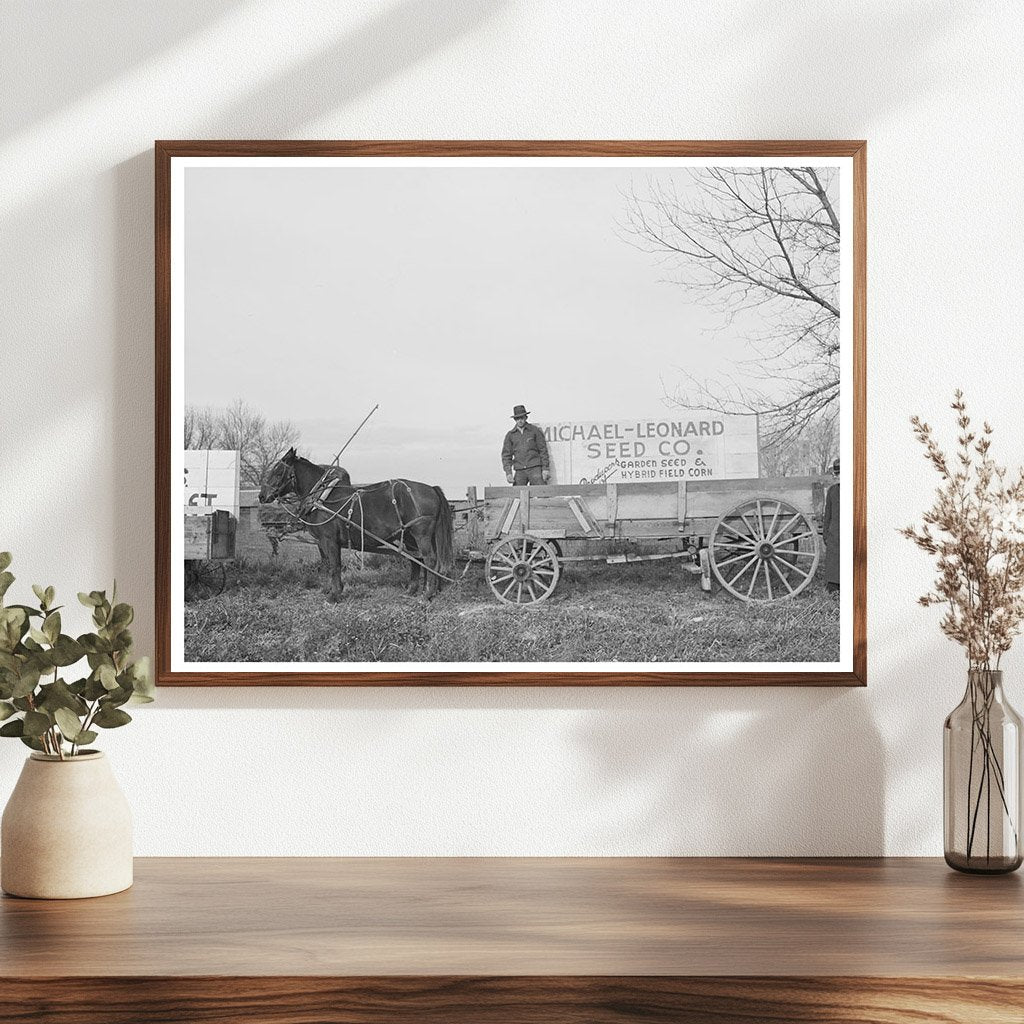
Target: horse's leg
(323, 566)
(332, 552)
(425, 548)
(414, 579)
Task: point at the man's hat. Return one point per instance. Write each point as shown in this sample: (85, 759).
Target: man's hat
(835, 466)
(519, 410)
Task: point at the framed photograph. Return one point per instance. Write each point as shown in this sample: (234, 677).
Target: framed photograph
(491, 413)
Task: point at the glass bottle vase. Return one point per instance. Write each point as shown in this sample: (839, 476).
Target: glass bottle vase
(981, 773)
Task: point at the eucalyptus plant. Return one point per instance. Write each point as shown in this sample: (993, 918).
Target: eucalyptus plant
(46, 712)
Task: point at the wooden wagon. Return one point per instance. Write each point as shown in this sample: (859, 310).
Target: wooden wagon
(759, 539)
(209, 543)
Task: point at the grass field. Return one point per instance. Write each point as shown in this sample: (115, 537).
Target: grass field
(637, 612)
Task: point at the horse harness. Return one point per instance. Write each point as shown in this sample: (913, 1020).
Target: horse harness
(320, 493)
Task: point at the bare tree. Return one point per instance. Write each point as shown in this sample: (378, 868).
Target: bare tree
(269, 445)
(202, 428)
(240, 428)
(258, 443)
(809, 453)
(764, 239)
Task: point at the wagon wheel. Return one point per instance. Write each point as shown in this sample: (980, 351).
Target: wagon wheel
(763, 550)
(522, 570)
(203, 579)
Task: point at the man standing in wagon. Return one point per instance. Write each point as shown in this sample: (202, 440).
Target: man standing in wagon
(524, 455)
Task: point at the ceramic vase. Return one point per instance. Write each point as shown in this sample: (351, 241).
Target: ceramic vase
(66, 831)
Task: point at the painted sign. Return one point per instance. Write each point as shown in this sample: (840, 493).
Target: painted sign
(693, 446)
(211, 482)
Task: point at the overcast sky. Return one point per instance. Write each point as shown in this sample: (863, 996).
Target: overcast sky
(446, 295)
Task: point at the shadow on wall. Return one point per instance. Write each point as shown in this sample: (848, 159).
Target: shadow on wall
(807, 52)
(693, 771)
(736, 771)
(396, 38)
(48, 46)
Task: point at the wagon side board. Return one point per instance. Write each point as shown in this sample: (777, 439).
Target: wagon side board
(636, 511)
(209, 537)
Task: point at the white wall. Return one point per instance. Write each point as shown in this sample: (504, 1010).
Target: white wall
(936, 89)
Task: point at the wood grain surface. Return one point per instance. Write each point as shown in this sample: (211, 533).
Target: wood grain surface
(515, 1000)
(523, 939)
(165, 150)
(502, 916)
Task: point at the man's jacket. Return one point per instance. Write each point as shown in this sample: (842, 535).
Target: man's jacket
(524, 449)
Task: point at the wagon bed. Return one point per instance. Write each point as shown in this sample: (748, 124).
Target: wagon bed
(759, 538)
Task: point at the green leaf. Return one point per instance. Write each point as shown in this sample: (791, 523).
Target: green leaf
(107, 676)
(111, 718)
(51, 626)
(67, 651)
(13, 623)
(59, 695)
(141, 673)
(15, 728)
(89, 600)
(122, 615)
(5, 559)
(38, 635)
(28, 610)
(86, 736)
(31, 741)
(94, 644)
(50, 595)
(6, 710)
(27, 682)
(94, 689)
(69, 724)
(6, 579)
(36, 723)
(115, 698)
(142, 682)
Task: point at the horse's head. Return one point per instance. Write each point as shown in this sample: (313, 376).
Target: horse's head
(280, 479)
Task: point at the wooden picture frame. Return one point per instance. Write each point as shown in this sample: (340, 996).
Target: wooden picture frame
(847, 159)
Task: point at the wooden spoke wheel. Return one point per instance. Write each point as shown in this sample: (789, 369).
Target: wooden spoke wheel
(203, 579)
(764, 550)
(522, 570)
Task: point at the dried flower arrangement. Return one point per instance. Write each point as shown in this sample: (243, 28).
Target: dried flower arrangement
(975, 529)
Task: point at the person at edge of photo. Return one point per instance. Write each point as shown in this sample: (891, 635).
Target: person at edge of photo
(830, 531)
(524, 454)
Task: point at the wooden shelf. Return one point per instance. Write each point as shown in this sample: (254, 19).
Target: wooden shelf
(523, 939)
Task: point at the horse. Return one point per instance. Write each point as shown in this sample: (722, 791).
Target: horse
(404, 514)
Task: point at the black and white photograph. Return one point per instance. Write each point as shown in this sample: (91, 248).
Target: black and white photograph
(511, 414)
